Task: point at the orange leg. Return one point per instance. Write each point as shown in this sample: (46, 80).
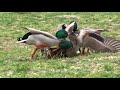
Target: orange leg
(37, 47)
(34, 52)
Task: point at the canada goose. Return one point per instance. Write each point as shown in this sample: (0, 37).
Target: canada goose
(97, 42)
(91, 38)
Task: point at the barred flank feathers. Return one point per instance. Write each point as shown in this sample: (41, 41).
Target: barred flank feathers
(110, 42)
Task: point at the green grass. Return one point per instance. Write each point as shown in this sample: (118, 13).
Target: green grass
(15, 58)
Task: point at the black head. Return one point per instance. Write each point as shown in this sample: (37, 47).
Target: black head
(63, 26)
(19, 39)
(24, 37)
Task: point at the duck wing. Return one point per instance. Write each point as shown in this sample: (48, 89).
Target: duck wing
(35, 31)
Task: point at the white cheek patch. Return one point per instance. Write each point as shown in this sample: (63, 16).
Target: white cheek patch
(69, 28)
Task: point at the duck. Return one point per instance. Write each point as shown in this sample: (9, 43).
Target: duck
(64, 30)
(61, 34)
(39, 39)
(69, 38)
(69, 28)
(57, 52)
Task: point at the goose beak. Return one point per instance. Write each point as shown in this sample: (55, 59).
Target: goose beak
(64, 26)
(73, 22)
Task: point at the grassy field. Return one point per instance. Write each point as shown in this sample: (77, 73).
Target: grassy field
(15, 58)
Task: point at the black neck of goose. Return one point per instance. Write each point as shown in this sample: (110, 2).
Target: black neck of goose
(26, 35)
(63, 26)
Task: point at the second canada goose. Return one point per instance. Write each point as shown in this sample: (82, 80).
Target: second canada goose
(91, 38)
(98, 43)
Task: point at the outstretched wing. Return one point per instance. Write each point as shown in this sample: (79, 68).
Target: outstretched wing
(92, 30)
(96, 36)
(35, 31)
(112, 42)
(96, 44)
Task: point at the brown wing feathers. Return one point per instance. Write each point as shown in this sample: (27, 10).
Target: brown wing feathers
(112, 43)
(98, 43)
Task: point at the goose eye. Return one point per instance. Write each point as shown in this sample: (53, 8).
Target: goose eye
(19, 38)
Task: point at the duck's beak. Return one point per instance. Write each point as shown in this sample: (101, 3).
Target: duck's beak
(55, 46)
